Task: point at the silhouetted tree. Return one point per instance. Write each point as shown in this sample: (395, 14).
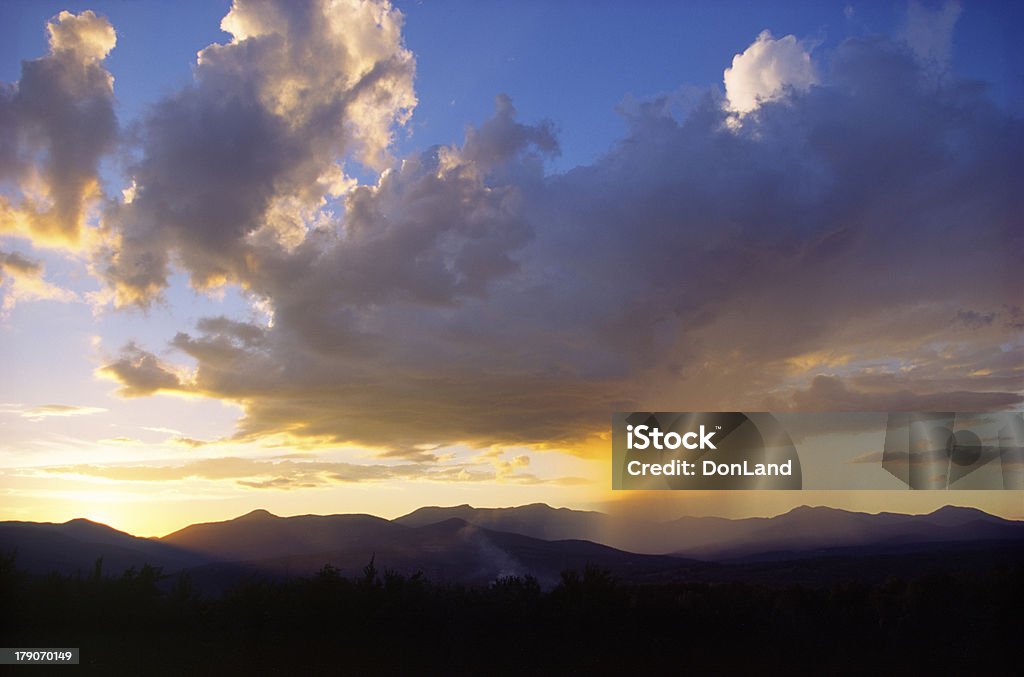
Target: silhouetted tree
(962, 622)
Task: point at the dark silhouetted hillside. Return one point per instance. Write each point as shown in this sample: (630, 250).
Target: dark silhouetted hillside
(260, 535)
(452, 551)
(76, 545)
(475, 546)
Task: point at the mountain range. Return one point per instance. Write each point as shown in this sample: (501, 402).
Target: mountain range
(802, 529)
(475, 545)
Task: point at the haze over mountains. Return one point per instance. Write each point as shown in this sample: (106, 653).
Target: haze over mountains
(801, 529)
(475, 545)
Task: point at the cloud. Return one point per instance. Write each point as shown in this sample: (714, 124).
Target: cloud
(122, 441)
(56, 123)
(814, 257)
(21, 279)
(974, 318)
(290, 474)
(508, 468)
(169, 431)
(413, 454)
(830, 393)
(765, 70)
(235, 168)
(84, 37)
(190, 442)
(141, 373)
(47, 410)
(15, 264)
(929, 32)
(848, 246)
(40, 412)
(277, 483)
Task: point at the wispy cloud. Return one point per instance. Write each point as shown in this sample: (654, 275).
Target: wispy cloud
(286, 473)
(44, 411)
(21, 279)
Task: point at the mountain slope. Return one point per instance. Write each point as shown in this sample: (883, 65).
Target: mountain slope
(467, 544)
(74, 547)
(542, 521)
(452, 551)
(261, 535)
(803, 529)
(807, 530)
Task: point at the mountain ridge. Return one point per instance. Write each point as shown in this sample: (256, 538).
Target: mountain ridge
(713, 537)
(467, 544)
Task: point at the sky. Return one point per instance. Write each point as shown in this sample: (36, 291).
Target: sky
(360, 257)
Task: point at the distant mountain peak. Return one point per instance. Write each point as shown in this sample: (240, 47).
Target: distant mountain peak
(84, 520)
(814, 510)
(542, 507)
(258, 514)
(955, 515)
(82, 525)
(958, 510)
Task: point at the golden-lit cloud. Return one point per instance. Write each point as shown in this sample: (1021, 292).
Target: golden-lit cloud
(468, 297)
(41, 412)
(851, 245)
(56, 123)
(21, 279)
(291, 474)
(235, 168)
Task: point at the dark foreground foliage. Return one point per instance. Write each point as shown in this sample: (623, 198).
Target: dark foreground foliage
(142, 622)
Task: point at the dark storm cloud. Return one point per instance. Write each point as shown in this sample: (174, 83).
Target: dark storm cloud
(831, 393)
(806, 250)
(973, 318)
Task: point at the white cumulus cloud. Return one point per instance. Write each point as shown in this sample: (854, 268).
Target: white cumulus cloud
(764, 70)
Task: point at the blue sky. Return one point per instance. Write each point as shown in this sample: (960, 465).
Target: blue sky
(573, 62)
(457, 325)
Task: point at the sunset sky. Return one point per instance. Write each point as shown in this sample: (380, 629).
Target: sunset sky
(357, 257)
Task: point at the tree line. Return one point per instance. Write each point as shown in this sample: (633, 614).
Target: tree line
(146, 622)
